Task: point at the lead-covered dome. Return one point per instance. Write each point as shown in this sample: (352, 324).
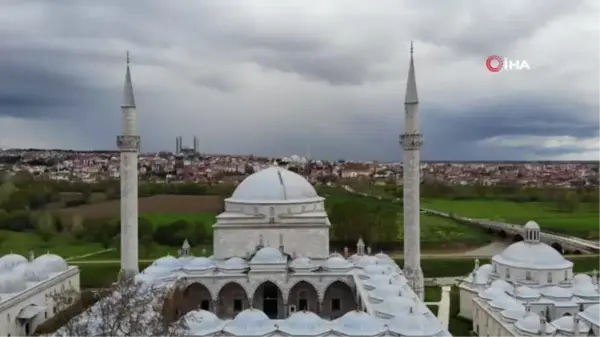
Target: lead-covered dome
(202, 322)
(274, 185)
(304, 323)
(12, 283)
(250, 322)
(268, 255)
(9, 261)
(51, 263)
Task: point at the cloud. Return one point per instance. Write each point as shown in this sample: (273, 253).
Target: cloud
(274, 78)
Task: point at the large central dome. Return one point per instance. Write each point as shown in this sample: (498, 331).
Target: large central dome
(274, 185)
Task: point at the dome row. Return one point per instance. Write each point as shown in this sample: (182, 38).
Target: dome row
(163, 266)
(253, 322)
(16, 271)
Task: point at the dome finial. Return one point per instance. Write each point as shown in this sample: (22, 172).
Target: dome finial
(411, 47)
(127, 57)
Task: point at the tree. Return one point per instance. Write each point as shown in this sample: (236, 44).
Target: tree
(132, 307)
(44, 226)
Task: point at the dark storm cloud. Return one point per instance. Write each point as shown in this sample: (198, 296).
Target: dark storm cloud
(195, 58)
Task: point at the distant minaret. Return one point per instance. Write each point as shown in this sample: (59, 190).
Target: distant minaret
(129, 145)
(411, 142)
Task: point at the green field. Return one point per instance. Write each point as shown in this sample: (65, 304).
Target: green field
(440, 233)
(582, 223)
(160, 219)
(22, 243)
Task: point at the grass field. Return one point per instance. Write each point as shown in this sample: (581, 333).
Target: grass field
(440, 233)
(22, 243)
(582, 223)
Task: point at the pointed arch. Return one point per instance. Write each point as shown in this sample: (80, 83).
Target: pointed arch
(338, 299)
(196, 296)
(322, 289)
(304, 296)
(268, 297)
(231, 298)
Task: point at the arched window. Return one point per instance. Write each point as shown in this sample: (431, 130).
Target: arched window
(566, 275)
(495, 268)
(528, 275)
(508, 273)
(549, 277)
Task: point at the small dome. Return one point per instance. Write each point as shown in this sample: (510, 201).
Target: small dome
(557, 292)
(304, 323)
(9, 261)
(302, 263)
(531, 225)
(12, 283)
(200, 263)
(358, 323)
(567, 324)
(366, 261)
(414, 324)
(502, 285)
(383, 257)
(375, 269)
(532, 255)
(51, 263)
(514, 313)
(268, 255)
(274, 185)
(202, 322)
(383, 292)
(531, 324)
(399, 304)
(504, 302)
(592, 314)
(337, 262)
(156, 271)
(234, 263)
(31, 272)
(250, 322)
(586, 290)
(492, 293)
(485, 269)
(168, 262)
(582, 279)
(525, 292)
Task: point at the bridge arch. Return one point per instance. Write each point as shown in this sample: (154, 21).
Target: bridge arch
(558, 247)
(503, 234)
(517, 238)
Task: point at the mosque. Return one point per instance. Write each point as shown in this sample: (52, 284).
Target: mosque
(28, 288)
(272, 272)
(530, 290)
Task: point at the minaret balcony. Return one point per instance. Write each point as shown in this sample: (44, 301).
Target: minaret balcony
(411, 141)
(128, 143)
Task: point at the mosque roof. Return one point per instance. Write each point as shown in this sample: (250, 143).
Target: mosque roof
(17, 274)
(274, 185)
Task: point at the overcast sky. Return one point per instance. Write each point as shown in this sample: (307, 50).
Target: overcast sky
(277, 77)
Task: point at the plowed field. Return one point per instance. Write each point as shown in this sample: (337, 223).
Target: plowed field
(161, 204)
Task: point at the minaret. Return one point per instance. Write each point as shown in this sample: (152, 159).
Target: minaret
(411, 142)
(129, 145)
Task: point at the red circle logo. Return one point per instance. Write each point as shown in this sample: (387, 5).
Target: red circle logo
(494, 63)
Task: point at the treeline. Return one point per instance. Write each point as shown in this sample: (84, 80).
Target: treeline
(28, 195)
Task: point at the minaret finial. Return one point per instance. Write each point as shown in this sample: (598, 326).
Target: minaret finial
(128, 59)
(411, 47)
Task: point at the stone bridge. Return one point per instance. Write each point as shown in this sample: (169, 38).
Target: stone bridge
(562, 243)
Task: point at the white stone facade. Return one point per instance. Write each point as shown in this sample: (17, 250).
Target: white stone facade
(530, 289)
(28, 290)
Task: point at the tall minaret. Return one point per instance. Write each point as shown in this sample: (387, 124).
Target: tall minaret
(411, 142)
(129, 145)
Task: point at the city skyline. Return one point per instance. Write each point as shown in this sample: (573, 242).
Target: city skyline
(275, 78)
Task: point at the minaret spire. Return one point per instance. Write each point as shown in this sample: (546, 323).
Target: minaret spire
(129, 145)
(411, 142)
(128, 97)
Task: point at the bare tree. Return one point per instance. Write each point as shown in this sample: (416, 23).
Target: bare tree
(130, 308)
